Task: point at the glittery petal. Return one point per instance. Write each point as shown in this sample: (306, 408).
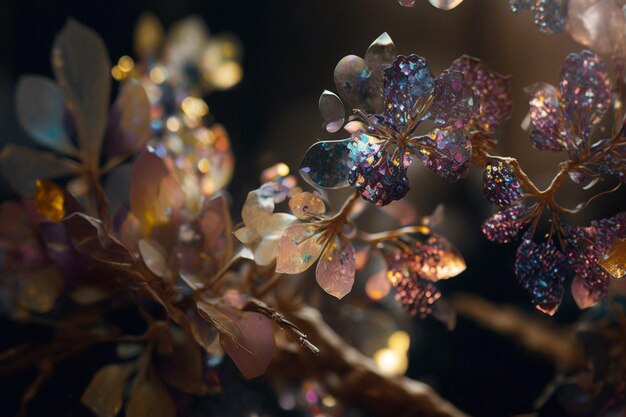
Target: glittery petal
(298, 249)
(585, 89)
(505, 225)
(436, 258)
(327, 164)
(551, 15)
(540, 269)
(306, 205)
(492, 91)
(332, 111)
(40, 108)
(417, 296)
(453, 102)
(547, 118)
(407, 80)
(500, 185)
(335, 270)
(446, 152)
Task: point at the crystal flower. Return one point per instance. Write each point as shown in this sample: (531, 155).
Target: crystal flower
(550, 15)
(506, 225)
(466, 104)
(73, 112)
(500, 185)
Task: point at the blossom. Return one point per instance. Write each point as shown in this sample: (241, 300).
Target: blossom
(550, 15)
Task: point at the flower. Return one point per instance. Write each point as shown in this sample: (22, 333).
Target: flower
(466, 103)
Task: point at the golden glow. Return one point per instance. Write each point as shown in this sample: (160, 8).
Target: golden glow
(204, 165)
(126, 63)
(282, 169)
(615, 262)
(391, 362)
(173, 124)
(157, 75)
(49, 200)
(226, 75)
(195, 108)
(399, 341)
(117, 73)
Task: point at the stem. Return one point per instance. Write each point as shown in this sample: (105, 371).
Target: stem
(99, 197)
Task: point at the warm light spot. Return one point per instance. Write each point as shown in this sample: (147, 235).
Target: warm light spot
(227, 75)
(49, 200)
(126, 63)
(204, 165)
(329, 401)
(158, 75)
(282, 169)
(391, 362)
(399, 341)
(173, 124)
(195, 108)
(117, 73)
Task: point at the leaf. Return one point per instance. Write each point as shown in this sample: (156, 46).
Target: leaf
(21, 167)
(182, 368)
(153, 256)
(150, 398)
(41, 110)
(582, 294)
(335, 270)
(88, 236)
(255, 349)
(105, 394)
(222, 322)
(298, 249)
(81, 65)
(128, 127)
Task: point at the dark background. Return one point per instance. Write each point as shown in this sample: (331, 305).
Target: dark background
(291, 48)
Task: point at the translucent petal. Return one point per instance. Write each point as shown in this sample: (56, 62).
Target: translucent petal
(274, 224)
(265, 250)
(148, 172)
(378, 286)
(335, 270)
(40, 107)
(327, 164)
(298, 249)
(306, 205)
(540, 269)
(21, 167)
(332, 111)
(598, 24)
(81, 65)
(583, 296)
(253, 351)
(407, 3)
(547, 118)
(585, 88)
(128, 127)
(154, 257)
(245, 235)
(446, 152)
(359, 81)
(453, 103)
(436, 258)
(500, 185)
(406, 81)
(492, 92)
(445, 4)
(505, 225)
(104, 395)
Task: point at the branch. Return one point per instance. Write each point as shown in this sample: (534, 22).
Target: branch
(354, 378)
(537, 336)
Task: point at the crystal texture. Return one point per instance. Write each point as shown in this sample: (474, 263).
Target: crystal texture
(500, 185)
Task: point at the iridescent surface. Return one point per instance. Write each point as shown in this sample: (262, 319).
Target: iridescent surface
(492, 92)
(550, 15)
(500, 185)
(505, 225)
(446, 152)
(436, 258)
(306, 206)
(539, 268)
(332, 111)
(327, 164)
(335, 270)
(445, 4)
(453, 102)
(298, 249)
(597, 24)
(547, 118)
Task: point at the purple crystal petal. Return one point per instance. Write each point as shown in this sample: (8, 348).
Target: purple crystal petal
(547, 118)
(585, 90)
(505, 225)
(550, 16)
(446, 152)
(540, 268)
(492, 92)
(500, 185)
(405, 82)
(453, 102)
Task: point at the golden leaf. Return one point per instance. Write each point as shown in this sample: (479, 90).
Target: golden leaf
(104, 395)
(615, 261)
(49, 200)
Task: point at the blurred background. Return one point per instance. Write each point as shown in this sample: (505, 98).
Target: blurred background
(290, 50)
